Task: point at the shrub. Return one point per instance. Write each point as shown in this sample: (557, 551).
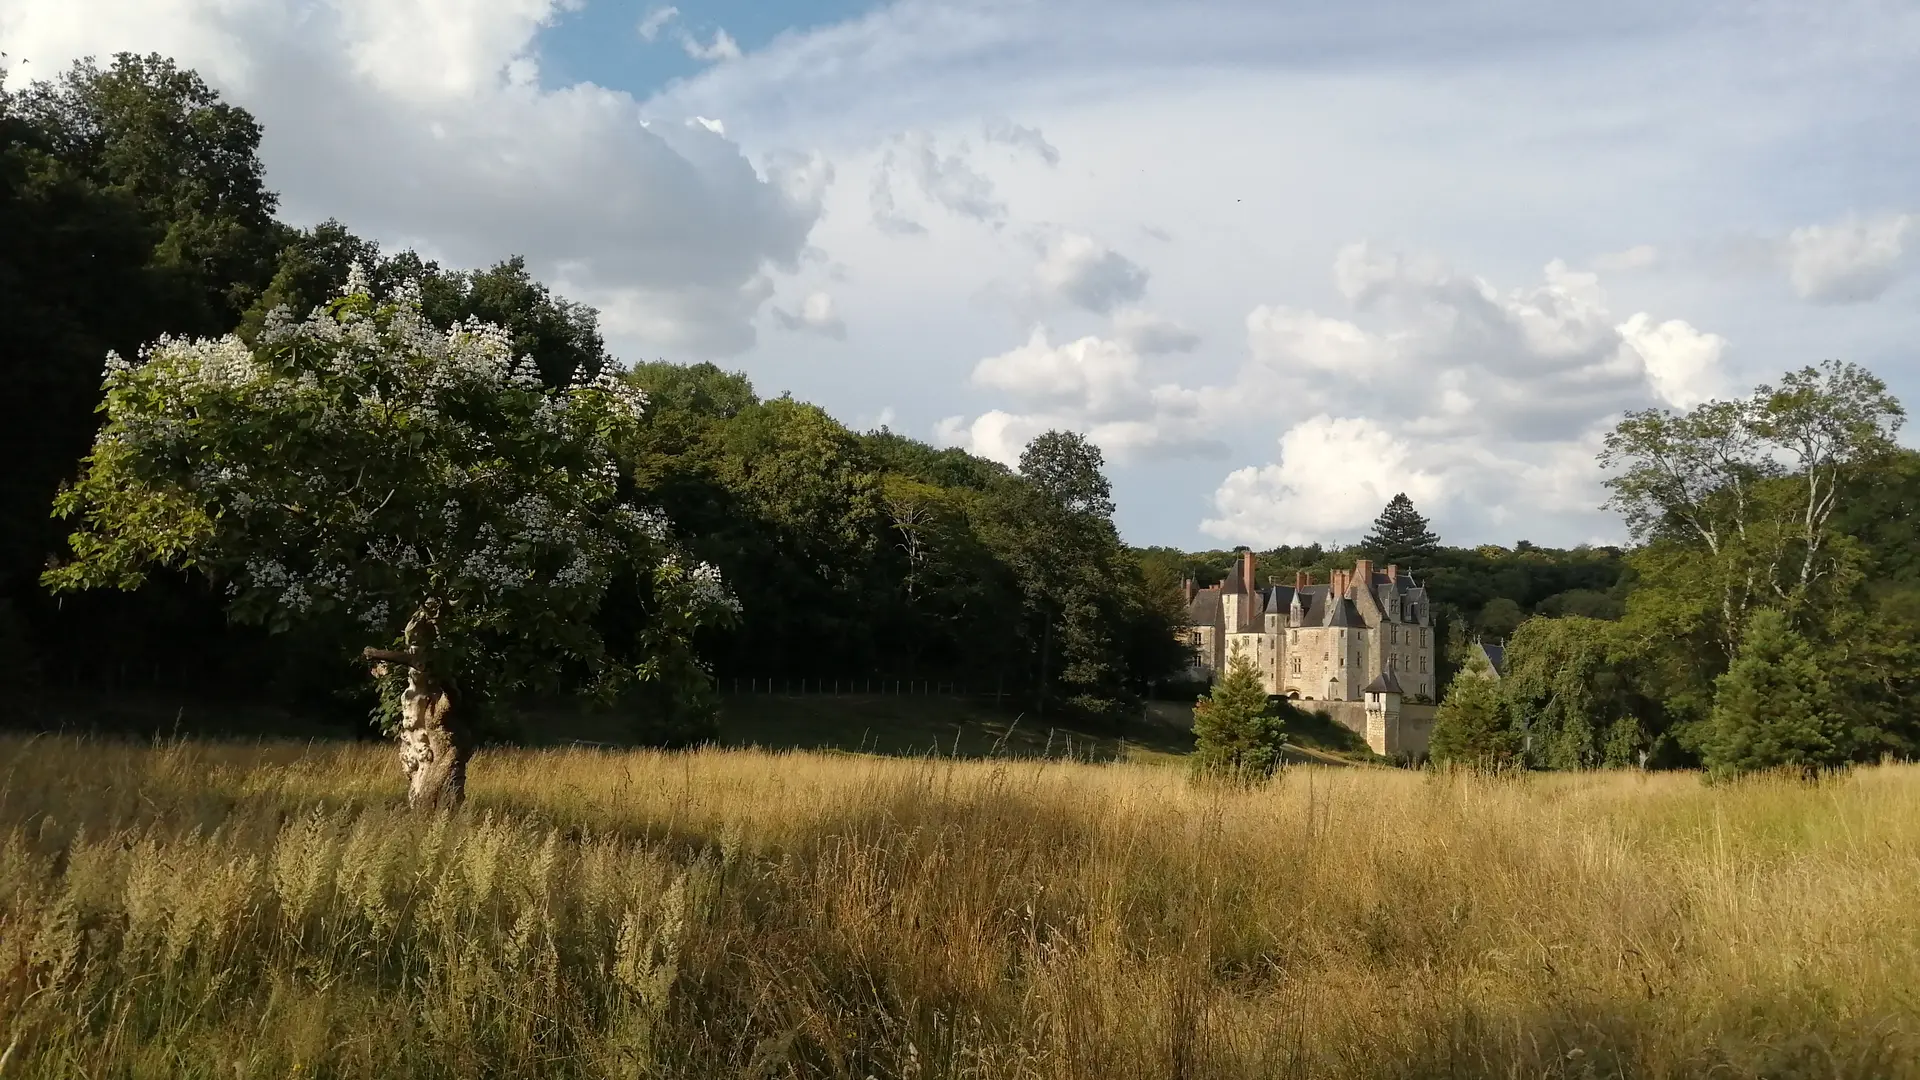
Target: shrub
(1238, 736)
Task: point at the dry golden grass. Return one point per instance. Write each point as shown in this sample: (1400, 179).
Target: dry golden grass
(234, 911)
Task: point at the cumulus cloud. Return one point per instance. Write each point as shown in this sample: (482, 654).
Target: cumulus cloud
(1849, 261)
(1682, 363)
(1095, 385)
(816, 315)
(1007, 133)
(1076, 269)
(1331, 473)
(1151, 335)
(1492, 401)
(721, 47)
(422, 122)
(1436, 383)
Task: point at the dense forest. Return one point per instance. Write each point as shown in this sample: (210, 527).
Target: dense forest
(1767, 612)
(135, 208)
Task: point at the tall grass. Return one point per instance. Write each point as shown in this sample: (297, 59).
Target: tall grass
(207, 910)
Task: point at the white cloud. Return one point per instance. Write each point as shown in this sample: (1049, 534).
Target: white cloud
(1007, 133)
(816, 315)
(1150, 335)
(722, 47)
(1850, 261)
(421, 122)
(1094, 385)
(656, 21)
(1492, 401)
(1076, 269)
(1637, 257)
(886, 214)
(1441, 385)
(1284, 338)
(1683, 363)
(1470, 129)
(1331, 474)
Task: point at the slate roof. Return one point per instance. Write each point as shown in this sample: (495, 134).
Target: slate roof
(1383, 683)
(1497, 656)
(1319, 606)
(1204, 609)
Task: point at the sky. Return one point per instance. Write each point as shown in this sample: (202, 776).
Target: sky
(1280, 260)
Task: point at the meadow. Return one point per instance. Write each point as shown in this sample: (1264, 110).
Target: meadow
(210, 909)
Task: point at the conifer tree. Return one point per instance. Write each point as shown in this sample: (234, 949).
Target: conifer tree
(1400, 534)
(1470, 727)
(1237, 735)
(1774, 707)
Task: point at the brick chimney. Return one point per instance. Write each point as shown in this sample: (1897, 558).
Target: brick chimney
(1302, 579)
(1339, 581)
(1393, 573)
(1246, 572)
(1187, 585)
(1363, 572)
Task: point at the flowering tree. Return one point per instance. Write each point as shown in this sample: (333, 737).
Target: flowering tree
(365, 463)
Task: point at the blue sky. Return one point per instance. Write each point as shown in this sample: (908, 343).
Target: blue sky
(600, 42)
(1279, 259)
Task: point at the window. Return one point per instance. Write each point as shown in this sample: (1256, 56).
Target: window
(1296, 665)
(1423, 665)
(1393, 663)
(1296, 637)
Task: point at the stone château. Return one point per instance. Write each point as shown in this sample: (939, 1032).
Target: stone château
(1361, 644)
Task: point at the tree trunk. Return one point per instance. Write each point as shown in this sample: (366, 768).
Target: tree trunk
(433, 747)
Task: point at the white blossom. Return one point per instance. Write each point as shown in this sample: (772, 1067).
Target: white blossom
(357, 282)
(296, 598)
(708, 590)
(375, 615)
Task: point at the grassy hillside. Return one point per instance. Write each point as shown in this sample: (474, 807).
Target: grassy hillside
(202, 910)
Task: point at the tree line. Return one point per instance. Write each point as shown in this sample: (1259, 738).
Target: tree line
(1768, 614)
(138, 214)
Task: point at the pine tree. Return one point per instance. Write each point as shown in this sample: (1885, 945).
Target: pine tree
(1470, 727)
(1237, 735)
(1400, 534)
(1774, 707)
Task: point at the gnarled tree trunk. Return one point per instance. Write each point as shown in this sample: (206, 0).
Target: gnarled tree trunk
(434, 745)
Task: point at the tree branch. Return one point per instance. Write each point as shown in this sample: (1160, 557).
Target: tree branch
(391, 656)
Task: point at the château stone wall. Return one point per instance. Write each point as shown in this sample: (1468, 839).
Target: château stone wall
(1406, 736)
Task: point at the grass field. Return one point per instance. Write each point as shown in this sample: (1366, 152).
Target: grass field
(908, 725)
(229, 910)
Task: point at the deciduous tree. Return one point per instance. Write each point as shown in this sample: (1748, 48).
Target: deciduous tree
(419, 480)
(1752, 486)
